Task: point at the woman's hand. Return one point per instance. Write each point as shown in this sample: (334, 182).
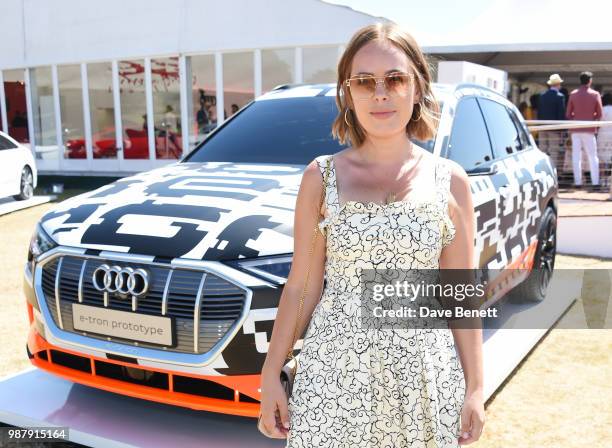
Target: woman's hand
(274, 408)
(472, 417)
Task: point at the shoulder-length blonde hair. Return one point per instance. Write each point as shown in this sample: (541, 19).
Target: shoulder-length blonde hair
(426, 111)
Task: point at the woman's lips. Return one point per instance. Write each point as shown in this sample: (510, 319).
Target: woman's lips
(382, 114)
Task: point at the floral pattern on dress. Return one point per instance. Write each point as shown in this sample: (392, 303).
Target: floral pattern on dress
(368, 387)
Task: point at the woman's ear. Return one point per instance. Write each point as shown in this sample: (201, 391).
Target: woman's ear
(417, 96)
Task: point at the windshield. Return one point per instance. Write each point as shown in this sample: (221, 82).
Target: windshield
(288, 130)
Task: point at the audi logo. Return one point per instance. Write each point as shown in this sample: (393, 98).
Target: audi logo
(121, 280)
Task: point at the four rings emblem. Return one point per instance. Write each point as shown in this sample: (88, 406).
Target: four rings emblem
(121, 280)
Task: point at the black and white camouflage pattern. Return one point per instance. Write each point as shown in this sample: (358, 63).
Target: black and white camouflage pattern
(209, 211)
(225, 211)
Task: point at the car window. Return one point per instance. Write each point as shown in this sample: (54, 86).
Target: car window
(288, 130)
(5, 143)
(504, 134)
(522, 131)
(469, 143)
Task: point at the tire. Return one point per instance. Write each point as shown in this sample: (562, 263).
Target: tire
(534, 287)
(26, 185)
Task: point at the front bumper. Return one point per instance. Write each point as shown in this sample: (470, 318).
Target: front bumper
(223, 394)
(231, 387)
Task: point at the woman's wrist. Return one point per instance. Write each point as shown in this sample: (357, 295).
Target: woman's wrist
(269, 370)
(474, 390)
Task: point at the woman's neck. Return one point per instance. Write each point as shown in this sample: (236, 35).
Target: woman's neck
(388, 150)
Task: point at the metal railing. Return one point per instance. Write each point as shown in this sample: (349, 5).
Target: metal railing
(555, 139)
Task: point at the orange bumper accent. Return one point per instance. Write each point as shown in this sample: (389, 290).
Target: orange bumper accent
(242, 385)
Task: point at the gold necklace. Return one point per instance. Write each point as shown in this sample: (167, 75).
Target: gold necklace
(391, 195)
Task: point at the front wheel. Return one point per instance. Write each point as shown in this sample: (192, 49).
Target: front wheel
(26, 185)
(534, 287)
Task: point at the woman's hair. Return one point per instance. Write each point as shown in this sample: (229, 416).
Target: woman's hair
(606, 100)
(427, 110)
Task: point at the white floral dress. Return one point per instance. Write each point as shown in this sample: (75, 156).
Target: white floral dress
(370, 387)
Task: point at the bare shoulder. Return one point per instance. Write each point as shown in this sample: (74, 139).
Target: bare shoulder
(458, 173)
(312, 177)
(459, 185)
(311, 188)
(348, 153)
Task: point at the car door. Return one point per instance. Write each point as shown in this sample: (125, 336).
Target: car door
(513, 180)
(469, 145)
(10, 172)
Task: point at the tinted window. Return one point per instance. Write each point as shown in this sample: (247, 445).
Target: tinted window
(6, 143)
(504, 134)
(469, 142)
(288, 130)
(521, 129)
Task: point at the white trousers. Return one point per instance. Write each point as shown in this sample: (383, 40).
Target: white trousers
(587, 141)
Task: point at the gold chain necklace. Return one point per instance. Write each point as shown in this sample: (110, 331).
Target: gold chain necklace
(391, 195)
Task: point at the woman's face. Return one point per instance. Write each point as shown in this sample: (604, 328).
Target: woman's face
(384, 114)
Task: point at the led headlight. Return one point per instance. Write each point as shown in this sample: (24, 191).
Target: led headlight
(39, 244)
(275, 269)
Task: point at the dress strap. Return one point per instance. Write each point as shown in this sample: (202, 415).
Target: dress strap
(443, 180)
(442, 176)
(330, 201)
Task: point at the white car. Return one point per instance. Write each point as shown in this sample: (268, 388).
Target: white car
(18, 175)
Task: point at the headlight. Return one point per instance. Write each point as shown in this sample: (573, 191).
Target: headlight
(39, 244)
(275, 269)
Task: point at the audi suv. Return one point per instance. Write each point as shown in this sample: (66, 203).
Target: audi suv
(165, 285)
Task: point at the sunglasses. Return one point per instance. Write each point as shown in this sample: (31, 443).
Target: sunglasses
(363, 87)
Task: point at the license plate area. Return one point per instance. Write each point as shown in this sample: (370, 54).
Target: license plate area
(124, 324)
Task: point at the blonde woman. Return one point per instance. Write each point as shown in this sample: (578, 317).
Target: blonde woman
(387, 203)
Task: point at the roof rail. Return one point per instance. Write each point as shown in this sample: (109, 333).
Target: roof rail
(283, 86)
(480, 86)
(298, 84)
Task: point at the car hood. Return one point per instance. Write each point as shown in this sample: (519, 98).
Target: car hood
(203, 211)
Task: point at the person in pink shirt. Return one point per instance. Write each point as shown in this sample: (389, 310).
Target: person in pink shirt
(584, 104)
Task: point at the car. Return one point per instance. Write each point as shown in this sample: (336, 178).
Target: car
(135, 145)
(165, 285)
(18, 174)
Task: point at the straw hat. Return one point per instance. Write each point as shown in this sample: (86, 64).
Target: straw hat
(554, 79)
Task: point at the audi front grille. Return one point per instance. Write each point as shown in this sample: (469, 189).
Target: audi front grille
(204, 305)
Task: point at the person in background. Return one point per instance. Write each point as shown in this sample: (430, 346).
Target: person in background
(202, 118)
(523, 108)
(565, 93)
(170, 118)
(584, 104)
(533, 107)
(234, 108)
(533, 104)
(551, 106)
(604, 140)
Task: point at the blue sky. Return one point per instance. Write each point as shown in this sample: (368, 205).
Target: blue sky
(448, 22)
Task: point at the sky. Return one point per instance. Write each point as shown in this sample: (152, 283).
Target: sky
(449, 22)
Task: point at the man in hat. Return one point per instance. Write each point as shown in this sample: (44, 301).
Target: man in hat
(551, 106)
(584, 104)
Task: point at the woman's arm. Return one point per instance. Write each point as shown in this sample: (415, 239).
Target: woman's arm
(459, 254)
(305, 219)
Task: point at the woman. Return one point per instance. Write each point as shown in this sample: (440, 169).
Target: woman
(357, 386)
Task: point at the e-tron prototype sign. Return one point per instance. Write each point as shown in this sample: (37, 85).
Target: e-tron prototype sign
(122, 324)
